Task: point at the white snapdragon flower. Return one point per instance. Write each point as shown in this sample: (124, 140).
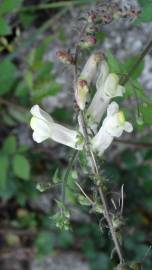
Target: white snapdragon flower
(87, 74)
(113, 126)
(90, 68)
(107, 88)
(44, 128)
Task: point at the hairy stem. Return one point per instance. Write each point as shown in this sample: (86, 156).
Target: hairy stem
(95, 171)
(94, 166)
(82, 191)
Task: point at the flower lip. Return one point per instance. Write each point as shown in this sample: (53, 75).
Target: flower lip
(112, 127)
(121, 117)
(37, 112)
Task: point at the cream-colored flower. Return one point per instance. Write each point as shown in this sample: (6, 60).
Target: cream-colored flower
(111, 87)
(107, 88)
(88, 73)
(90, 68)
(81, 92)
(113, 126)
(44, 128)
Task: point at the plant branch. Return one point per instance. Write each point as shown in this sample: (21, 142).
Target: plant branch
(135, 144)
(136, 64)
(94, 166)
(100, 189)
(11, 104)
(54, 5)
(83, 192)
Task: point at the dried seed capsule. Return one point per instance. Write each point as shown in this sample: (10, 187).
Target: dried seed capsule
(65, 57)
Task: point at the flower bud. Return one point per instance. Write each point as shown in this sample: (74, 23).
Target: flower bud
(90, 68)
(65, 57)
(81, 92)
(86, 76)
(91, 16)
(91, 29)
(88, 42)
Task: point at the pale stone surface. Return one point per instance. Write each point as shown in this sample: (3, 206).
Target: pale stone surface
(61, 261)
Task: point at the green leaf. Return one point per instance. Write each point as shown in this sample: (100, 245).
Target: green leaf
(9, 190)
(83, 200)
(129, 160)
(144, 3)
(9, 146)
(22, 89)
(4, 163)
(113, 63)
(128, 63)
(4, 27)
(44, 243)
(9, 5)
(45, 88)
(19, 115)
(8, 73)
(21, 167)
(27, 19)
(134, 88)
(146, 110)
(146, 13)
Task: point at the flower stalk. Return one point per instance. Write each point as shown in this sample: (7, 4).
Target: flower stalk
(95, 171)
(108, 86)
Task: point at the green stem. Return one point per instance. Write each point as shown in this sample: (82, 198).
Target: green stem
(136, 64)
(52, 5)
(95, 171)
(65, 178)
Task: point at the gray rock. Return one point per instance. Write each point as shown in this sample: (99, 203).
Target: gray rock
(61, 261)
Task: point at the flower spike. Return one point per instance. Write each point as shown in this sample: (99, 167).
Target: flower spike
(107, 88)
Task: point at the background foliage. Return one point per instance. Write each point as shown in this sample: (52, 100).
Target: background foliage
(28, 76)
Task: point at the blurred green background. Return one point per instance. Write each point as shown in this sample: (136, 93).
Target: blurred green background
(30, 33)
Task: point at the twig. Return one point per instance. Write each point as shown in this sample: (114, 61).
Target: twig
(87, 197)
(54, 5)
(126, 78)
(11, 104)
(135, 144)
(122, 200)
